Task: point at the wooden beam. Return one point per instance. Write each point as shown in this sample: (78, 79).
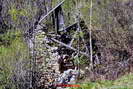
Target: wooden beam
(74, 49)
(51, 11)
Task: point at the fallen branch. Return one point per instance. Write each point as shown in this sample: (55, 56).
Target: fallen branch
(83, 53)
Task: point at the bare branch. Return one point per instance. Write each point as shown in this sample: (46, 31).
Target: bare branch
(91, 50)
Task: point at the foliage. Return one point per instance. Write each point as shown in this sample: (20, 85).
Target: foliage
(21, 14)
(17, 13)
(14, 13)
(80, 60)
(10, 54)
(69, 15)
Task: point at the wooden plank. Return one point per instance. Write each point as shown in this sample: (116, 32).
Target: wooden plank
(51, 11)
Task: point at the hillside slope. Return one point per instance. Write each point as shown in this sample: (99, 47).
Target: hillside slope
(26, 52)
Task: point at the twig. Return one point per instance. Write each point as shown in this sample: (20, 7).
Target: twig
(90, 32)
(73, 38)
(78, 29)
(97, 59)
(83, 53)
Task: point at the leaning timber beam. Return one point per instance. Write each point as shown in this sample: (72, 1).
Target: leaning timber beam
(51, 11)
(71, 26)
(72, 48)
(74, 26)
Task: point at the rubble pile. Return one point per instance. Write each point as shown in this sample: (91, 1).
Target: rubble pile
(48, 65)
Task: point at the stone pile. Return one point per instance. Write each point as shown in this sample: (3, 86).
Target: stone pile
(50, 75)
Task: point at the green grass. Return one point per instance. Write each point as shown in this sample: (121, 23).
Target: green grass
(10, 54)
(125, 82)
